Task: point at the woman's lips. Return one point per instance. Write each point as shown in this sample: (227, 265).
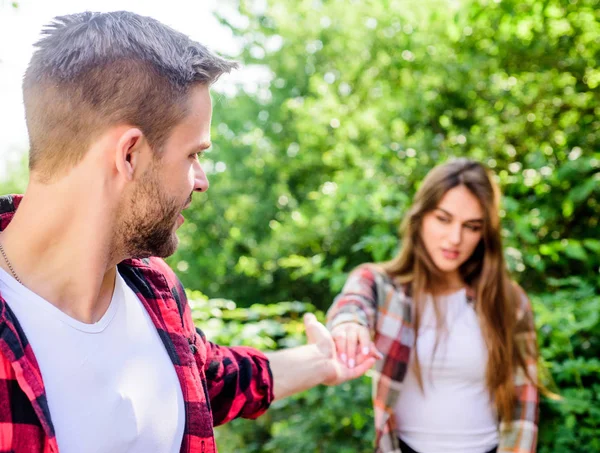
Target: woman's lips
(450, 254)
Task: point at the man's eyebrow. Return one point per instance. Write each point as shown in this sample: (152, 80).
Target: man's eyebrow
(201, 147)
(466, 221)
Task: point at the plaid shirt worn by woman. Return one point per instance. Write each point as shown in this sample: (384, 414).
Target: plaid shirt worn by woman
(218, 383)
(372, 299)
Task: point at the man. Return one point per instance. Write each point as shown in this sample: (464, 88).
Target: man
(97, 347)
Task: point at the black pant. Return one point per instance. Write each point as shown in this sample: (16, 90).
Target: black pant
(406, 449)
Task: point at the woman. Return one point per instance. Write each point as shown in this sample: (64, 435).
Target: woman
(467, 380)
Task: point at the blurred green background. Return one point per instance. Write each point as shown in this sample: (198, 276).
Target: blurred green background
(315, 162)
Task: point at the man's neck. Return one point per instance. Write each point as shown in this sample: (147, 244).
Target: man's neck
(62, 252)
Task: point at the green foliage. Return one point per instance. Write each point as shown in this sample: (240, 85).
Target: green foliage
(334, 419)
(322, 161)
(323, 419)
(17, 176)
(569, 332)
(313, 170)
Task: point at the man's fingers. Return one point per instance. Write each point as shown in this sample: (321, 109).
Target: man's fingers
(314, 329)
(310, 326)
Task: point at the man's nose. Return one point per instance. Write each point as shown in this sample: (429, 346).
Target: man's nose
(201, 183)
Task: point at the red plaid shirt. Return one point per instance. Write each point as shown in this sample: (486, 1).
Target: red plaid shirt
(218, 383)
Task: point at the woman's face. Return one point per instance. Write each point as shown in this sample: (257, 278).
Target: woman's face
(453, 229)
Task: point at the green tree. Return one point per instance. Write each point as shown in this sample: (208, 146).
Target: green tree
(314, 166)
(322, 161)
(313, 170)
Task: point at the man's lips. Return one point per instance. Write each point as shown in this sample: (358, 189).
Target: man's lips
(187, 203)
(180, 217)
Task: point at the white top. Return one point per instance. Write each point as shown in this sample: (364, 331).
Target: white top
(454, 413)
(111, 386)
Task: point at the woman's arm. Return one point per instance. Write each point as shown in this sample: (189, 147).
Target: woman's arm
(358, 300)
(351, 318)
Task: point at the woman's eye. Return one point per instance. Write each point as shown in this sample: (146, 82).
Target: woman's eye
(474, 227)
(443, 219)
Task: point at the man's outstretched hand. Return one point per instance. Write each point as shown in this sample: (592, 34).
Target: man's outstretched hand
(336, 372)
(302, 367)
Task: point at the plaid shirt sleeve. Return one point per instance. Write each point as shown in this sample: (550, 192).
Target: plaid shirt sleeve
(238, 379)
(358, 300)
(520, 434)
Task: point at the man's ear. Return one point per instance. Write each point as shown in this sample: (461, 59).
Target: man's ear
(128, 150)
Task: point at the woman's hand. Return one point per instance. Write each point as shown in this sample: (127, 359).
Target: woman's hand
(353, 344)
(333, 371)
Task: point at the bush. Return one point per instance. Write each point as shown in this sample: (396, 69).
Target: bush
(340, 419)
(568, 320)
(323, 159)
(315, 165)
(318, 420)
(323, 155)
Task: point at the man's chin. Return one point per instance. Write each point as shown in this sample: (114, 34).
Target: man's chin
(163, 251)
(169, 248)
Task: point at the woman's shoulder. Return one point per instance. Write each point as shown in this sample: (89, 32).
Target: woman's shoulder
(377, 273)
(524, 309)
(374, 268)
(370, 270)
(518, 292)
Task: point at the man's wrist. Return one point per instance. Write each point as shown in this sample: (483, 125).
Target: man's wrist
(300, 368)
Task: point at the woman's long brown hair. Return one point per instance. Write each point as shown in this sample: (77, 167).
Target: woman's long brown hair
(485, 272)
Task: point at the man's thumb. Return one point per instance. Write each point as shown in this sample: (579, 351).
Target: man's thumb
(308, 318)
(311, 326)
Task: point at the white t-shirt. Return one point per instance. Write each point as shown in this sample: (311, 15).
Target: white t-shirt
(111, 386)
(455, 412)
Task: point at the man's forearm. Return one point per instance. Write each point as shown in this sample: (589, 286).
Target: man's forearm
(297, 369)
